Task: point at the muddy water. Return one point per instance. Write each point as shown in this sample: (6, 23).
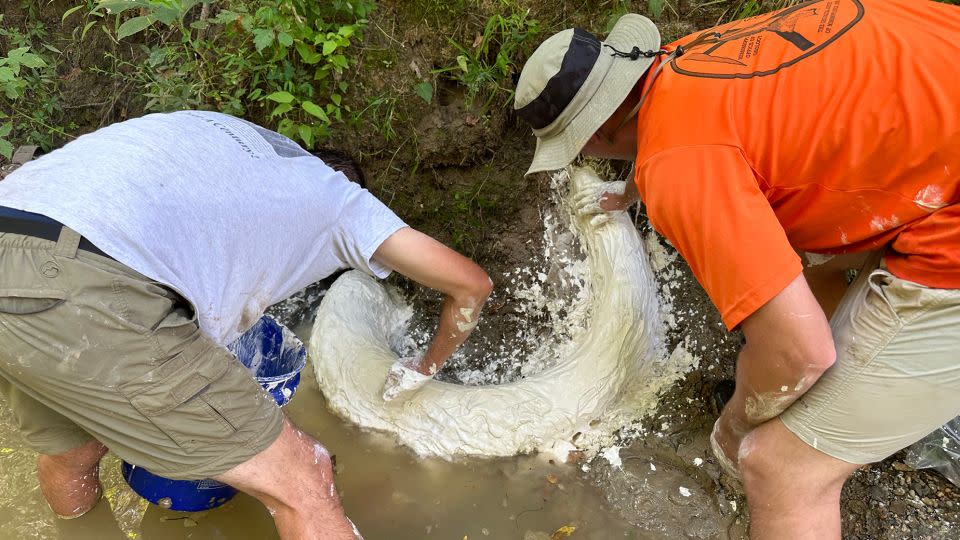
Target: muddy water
(387, 491)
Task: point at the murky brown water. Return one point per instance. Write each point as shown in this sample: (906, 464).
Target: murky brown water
(387, 491)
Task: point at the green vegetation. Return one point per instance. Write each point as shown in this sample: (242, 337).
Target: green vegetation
(486, 67)
(28, 76)
(279, 61)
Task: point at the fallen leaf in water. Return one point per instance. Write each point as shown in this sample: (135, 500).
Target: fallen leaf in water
(552, 478)
(563, 532)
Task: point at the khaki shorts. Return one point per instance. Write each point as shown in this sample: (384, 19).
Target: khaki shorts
(897, 374)
(90, 348)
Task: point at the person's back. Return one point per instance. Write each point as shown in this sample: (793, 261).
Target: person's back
(842, 115)
(232, 216)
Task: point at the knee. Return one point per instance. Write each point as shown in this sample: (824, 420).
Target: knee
(82, 458)
(759, 465)
(774, 462)
(316, 466)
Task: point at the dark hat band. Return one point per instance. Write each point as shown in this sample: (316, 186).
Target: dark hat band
(559, 91)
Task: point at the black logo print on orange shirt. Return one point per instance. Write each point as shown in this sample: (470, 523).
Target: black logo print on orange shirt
(768, 43)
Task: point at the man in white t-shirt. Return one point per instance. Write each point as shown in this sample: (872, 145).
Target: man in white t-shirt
(132, 255)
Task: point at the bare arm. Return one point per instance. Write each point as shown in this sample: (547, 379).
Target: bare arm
(789, 346)
(432, 264)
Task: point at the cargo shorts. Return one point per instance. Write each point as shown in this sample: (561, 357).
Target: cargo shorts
(897, 373)
(90, 349)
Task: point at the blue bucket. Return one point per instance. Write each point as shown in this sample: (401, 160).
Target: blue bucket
(275, 356)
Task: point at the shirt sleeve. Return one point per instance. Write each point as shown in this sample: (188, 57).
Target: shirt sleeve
(365, 223)
(707, 201)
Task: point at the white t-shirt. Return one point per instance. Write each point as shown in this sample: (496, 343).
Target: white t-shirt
(232, 216)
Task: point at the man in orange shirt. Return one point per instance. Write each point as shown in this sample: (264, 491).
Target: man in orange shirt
(831, 127)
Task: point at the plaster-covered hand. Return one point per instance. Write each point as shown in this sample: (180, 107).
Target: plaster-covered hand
(403, 378)
(599, 200)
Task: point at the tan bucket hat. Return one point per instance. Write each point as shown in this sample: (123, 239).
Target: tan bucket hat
(573, 82)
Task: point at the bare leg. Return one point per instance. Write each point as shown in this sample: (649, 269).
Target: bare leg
(293, 478)
(71, 481)
(793, 490)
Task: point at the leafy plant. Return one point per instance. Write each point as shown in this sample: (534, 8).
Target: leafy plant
(29, 88)
(281, 59)
(488, 65)
(303, 45)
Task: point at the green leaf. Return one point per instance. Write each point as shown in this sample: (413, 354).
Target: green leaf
(52, 49)
(336, 99)
(134, 25)
(285, 39)
(281, 97)
(281, 109)
(462, 62)
(70, 12)
(329, 47)
(306, 133)
(315, 110)
(252, 96)
(86, 28)
(339, 60)
(424, 90)
(6, 149)
(32, 61)
(226, 16)
(116, 7)
(5, 129)
(307, 53)
(262, 38)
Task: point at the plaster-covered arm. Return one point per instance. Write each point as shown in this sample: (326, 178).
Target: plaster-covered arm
(434, 265)
(788, 347)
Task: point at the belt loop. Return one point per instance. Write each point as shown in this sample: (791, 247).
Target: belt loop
(68, 243)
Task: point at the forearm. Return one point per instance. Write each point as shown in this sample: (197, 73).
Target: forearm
(458, 318)
(788, 347)
(765, 388)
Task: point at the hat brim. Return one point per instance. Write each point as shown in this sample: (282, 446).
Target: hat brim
(632, 30)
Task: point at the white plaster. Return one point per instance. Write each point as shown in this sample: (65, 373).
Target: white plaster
(612, 455)
(613, 371)
(930, 198)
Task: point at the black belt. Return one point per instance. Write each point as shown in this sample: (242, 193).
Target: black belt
(39, 226)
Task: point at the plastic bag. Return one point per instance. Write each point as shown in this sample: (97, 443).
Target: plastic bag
(939, 450)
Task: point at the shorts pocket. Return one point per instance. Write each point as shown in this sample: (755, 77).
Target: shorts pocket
(871, 325)
(29, 301)
(172, 398)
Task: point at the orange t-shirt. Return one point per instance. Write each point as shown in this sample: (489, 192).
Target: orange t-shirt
(832, 126)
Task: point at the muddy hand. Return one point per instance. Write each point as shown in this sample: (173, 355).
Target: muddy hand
(598, 200)
(403, 378)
